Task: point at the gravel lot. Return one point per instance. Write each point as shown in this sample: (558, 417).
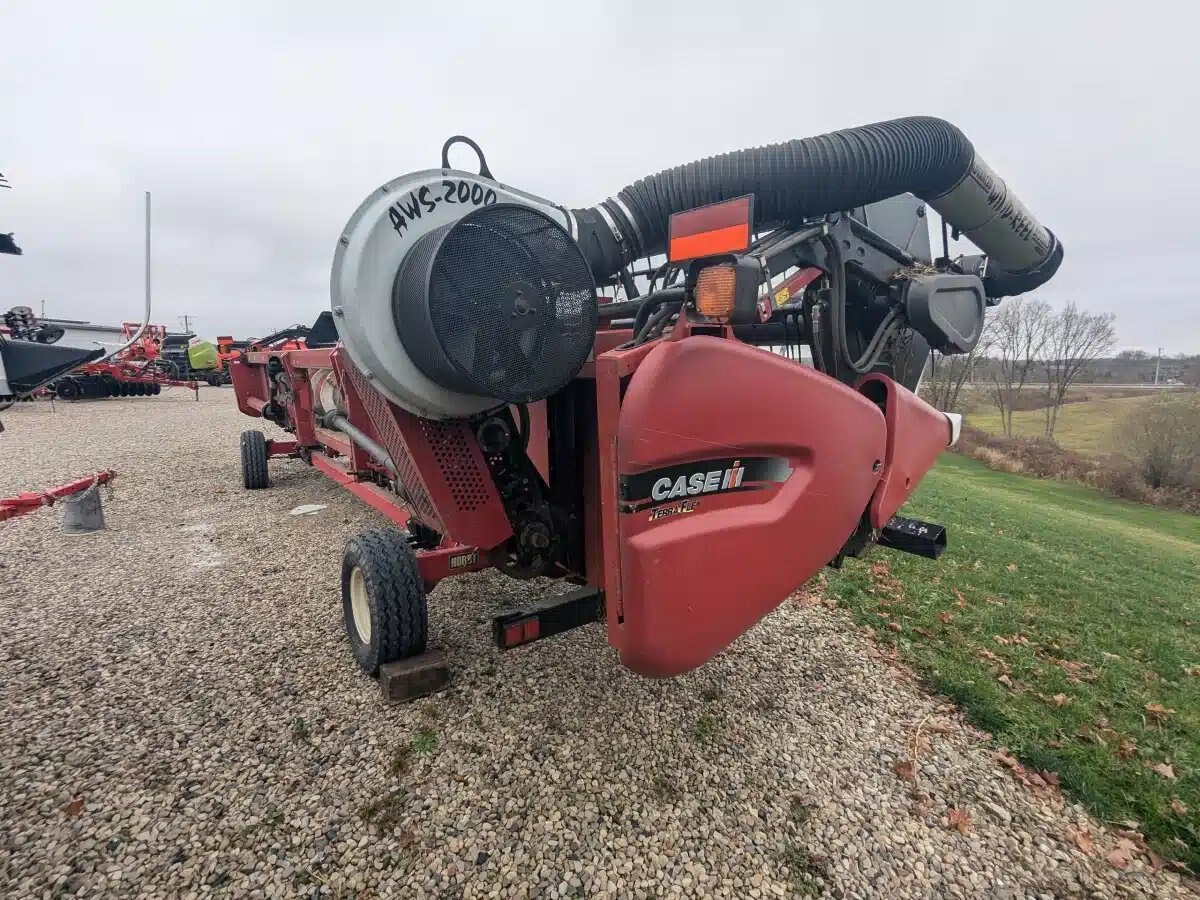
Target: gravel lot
(180, 716)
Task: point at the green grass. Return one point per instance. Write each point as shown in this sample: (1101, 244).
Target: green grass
(1065, 592)
(1090, 427)
(424, 741)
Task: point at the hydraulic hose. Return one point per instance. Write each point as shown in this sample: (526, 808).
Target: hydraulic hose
(842, 170)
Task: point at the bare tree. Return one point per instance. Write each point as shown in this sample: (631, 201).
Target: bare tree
(1018, 331)
(1074, 340)
(948, 375)
(1191, 371)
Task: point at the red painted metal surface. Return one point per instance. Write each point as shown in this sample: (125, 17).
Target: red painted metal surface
(678, 587)
(250, 385)
(282, 448)
(916, 435)
(440, 464)
(450, 558)
(28, 501)
(690, 583)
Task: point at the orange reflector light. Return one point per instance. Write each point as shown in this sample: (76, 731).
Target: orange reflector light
(711, 230)
(715, 291)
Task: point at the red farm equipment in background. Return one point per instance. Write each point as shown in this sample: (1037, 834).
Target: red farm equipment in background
(138, 370)
(686, 457)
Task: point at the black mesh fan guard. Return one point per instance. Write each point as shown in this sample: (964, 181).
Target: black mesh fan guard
(500, 303)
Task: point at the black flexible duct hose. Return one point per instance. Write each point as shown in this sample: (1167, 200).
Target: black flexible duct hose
(842, 170)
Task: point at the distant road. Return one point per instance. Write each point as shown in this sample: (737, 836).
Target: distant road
(1101, 384)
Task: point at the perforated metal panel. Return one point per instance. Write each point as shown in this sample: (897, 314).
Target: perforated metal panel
(449, 442)
(383, 418)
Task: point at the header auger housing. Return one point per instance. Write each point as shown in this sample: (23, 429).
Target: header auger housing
(687, 456)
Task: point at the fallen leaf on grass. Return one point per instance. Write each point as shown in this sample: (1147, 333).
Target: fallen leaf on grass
(923, 632)
(1123, 854)
(1006, 681)
(961, 601)
(1061, 700)
(1158, 712)
(906, 769)
(1050, 778)
(1127, 750)
(1166, 770)
(75, 807)
(1108, 655)
(1082, 840)
(945, 617)
(1192, 670)
(1012, 567)
(894, 626)
(959, 819)
(1008, 759)
(1178, 807)
(992, 657)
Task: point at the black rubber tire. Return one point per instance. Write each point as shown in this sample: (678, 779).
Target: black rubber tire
(395, 593)
(156, 389)
(213, 379)
(68, 389)
(254, 461)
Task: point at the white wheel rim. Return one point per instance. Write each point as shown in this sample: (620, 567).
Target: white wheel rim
(359, 607)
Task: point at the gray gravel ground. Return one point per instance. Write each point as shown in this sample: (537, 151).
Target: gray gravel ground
(181, 716)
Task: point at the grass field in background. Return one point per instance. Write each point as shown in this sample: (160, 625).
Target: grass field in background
(1090, 427)
(1066, 624)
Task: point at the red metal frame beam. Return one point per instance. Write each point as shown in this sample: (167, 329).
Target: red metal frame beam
(282, 448)
(28, 501)
(449, 559)
(318, 358)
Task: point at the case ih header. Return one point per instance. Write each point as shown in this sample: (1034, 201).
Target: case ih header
(481, 393)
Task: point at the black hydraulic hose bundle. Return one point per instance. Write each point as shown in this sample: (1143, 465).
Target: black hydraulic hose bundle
(843, 170)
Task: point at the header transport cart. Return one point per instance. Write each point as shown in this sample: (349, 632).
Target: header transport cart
(673, 455)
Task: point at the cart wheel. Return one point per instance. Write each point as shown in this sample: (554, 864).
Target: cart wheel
(254, 461)
(68, 389)
(383, 599)
(156, 389)
(213, 379)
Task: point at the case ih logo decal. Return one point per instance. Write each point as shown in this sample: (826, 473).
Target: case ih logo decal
(668, 488)
(712, 476)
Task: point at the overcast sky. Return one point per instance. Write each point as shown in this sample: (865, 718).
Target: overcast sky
(260, 126)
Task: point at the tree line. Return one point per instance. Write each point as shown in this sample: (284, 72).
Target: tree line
(1029, 346)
